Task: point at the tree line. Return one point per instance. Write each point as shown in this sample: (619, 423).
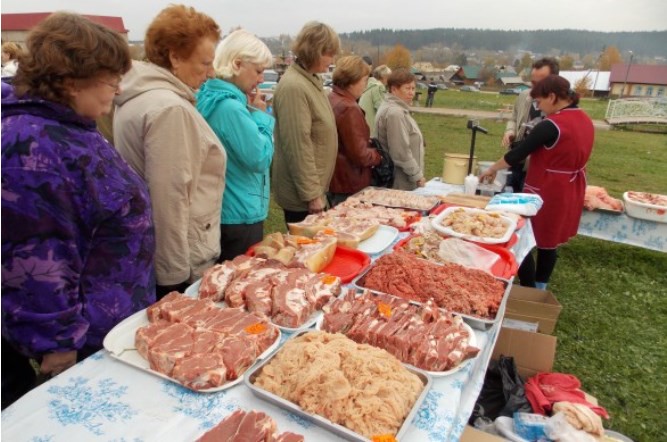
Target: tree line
(646, 44)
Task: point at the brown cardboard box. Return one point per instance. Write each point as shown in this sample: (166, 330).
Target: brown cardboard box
(471, 434)
(533, 306)
(532, 352)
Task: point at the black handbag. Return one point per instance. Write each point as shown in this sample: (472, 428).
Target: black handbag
(383, 173)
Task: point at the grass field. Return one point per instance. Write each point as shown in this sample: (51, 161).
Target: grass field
(611, 332)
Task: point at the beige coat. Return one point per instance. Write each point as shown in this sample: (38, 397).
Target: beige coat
(520, 115)
(306, 141)
(162, 136)
(399, 134)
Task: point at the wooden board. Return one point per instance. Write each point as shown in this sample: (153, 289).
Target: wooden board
(466, 200)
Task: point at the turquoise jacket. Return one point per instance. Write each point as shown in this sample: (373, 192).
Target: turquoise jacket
(247, 136)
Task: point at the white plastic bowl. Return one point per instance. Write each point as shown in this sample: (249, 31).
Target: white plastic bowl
(650, 212)
(437, 225)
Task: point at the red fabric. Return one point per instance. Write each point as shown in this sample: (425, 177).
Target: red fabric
(545, 389)
(558, 175)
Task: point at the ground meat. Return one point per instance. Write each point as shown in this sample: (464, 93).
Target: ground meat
(451, 286)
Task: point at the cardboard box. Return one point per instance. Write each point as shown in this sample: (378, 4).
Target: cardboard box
(472, 434)
(532, 352)
(533, 306)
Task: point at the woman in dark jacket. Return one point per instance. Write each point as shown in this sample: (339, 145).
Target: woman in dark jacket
(355, 157)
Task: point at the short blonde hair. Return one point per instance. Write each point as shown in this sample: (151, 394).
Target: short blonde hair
(382, 71)
(12, 49)
(349, 70)
(242, 45)
(314, 40)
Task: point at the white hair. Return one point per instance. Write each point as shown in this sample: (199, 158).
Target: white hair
(240, 45)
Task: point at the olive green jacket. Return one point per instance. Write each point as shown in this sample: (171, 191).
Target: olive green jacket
(371, 100)
(306, 141)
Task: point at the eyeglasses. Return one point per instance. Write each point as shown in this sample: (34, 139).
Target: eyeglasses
(115, 87)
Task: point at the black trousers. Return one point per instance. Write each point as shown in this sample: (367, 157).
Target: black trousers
(236, 239)
(531, 272)
(294, 217)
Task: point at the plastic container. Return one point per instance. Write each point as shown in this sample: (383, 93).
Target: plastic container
(650, 212)
(455, 168)
(470, 184)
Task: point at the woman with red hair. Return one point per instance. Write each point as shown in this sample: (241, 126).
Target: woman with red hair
(159, 132)
(559, 148)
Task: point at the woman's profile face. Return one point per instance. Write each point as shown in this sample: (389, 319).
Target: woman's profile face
(405, 92)
(198, 67)
(357, 89)
(249, 76)
(93, 99)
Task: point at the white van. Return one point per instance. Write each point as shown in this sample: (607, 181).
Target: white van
(270, 80)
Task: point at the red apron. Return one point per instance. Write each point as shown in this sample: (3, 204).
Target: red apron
(558, 175)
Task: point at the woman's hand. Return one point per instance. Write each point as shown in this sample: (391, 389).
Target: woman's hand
(508, 137)
(55, 363)
(256, 100)
(316, 205)
(488, 176)
(421, 182)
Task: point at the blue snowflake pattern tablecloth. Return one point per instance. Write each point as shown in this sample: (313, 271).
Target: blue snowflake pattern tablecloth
(104, 399)
(624, 229)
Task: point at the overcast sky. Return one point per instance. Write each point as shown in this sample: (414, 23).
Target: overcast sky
(272, 17)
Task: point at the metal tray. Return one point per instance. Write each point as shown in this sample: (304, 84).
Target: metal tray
(323, 422)
(119, 342)
(474, 321)
(193, 292)
(424, 212)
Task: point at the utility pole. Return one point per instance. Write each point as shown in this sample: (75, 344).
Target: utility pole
(626, 74)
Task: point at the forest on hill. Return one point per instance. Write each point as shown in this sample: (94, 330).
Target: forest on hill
(644, 44)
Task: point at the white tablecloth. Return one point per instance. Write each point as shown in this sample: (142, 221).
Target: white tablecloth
(104, 399)
(624, 229)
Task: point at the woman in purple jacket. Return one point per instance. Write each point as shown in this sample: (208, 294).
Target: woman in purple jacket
(77, 233)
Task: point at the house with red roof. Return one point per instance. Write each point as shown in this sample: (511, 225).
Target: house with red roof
(15, 27)
(638, 80)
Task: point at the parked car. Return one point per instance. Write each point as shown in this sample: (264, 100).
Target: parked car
(270, 80)
(509, 91)
(442, 86)
(421, 85)
(469, 89)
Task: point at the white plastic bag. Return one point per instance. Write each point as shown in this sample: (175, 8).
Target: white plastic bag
(467, 254)
(559, 429)
(526, 204)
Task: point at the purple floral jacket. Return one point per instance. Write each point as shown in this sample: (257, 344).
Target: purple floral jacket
(77, 231)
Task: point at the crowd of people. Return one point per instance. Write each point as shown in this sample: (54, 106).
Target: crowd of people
(93, 230)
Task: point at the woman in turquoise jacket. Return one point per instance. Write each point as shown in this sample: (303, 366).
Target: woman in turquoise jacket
(236, 111)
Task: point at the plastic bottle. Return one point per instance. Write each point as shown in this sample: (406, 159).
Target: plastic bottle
(470, 184)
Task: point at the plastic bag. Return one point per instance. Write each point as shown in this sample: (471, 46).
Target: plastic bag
(502, 393)
(467, 254)
(559, 429)
(526, 204)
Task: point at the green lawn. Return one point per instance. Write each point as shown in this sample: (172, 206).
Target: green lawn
(492, 101)
(611, 333)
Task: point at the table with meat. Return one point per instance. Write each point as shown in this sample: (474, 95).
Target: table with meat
(401, 351)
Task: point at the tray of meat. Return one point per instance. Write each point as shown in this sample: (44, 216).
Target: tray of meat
(193, 342)
(428, 246)
(597, 199)
(475, 225)
(346, 263)
(291, 298)
(648, 206)
(520, 220)
(399, 199)
(423, 336)
(356, 391)
(474, 294)
(248, 425)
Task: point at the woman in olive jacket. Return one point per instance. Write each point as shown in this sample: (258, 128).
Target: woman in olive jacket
(305, 133)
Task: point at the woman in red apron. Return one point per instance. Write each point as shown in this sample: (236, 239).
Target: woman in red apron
(559, 148)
